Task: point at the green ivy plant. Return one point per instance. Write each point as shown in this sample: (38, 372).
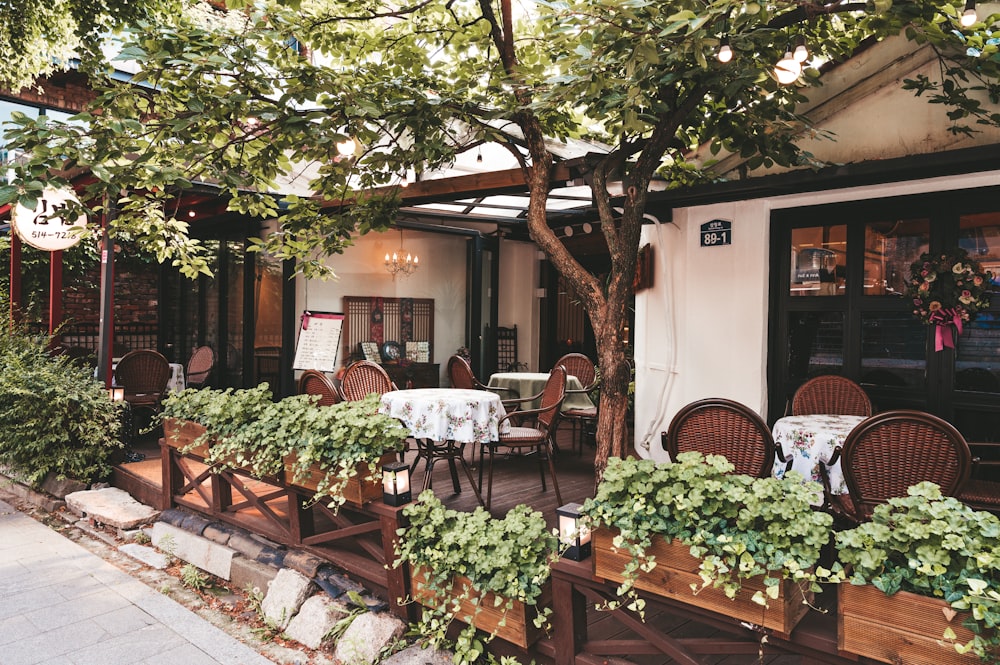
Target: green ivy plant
(246, 429)
(54, 417)
(509, 557)
(934, 546)
(739, 527)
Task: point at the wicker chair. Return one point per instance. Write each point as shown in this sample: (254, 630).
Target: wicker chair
(889, 452)
(717, 426)
(199, 366)
(313, 382)
(583, 369)
(833, 394)
(978, 493)
(538, 439)
(144, 375)
(363, 378)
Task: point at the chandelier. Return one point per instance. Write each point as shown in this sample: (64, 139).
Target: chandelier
(401, 261)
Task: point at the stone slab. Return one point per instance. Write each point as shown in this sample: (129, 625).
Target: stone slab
(201, 552)
(111, 506)
(61, 487)
(285, 595)
(317, 616)
(365, 638)
(146, 555)
(250, 574)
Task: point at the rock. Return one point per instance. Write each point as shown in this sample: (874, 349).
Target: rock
(317, 616)
(285, 595)
(365, 638)
(61, 487)
(416, 655)
(111, 506)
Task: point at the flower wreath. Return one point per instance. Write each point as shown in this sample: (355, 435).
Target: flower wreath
(947, 289)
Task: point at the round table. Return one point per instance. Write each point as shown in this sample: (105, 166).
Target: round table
(531, 383)
(810, 442)
(440, 418)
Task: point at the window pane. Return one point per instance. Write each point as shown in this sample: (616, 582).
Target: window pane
(890, 248)
(977, 361)
(979, 235)
(893, 349)
(815, 344)
(819, 260)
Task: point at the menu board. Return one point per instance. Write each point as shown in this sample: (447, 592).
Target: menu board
(319, 341)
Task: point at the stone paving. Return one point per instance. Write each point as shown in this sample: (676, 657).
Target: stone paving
(62, 605)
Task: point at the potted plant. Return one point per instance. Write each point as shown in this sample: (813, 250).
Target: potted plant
(338, 450)
(489, 573)
(925, 582)
(331, 451)
(695, 532)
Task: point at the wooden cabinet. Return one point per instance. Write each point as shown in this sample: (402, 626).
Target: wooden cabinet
(415, 375)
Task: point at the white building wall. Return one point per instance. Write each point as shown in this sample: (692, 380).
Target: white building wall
(712, 304)
(519, 305)
(360, 270)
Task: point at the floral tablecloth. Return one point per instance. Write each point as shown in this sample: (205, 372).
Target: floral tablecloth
(447, 414)
(532, 383)
(810, 442)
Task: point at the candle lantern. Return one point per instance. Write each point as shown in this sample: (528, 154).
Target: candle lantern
(396, 484)
(573, 533)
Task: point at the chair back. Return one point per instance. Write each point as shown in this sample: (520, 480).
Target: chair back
(552, 398)
(313, 382)
(143, 372)
(831, 394)
(460, 374)
(889, 452)
(363, 378)
(199, 366)
(581, 367)
(717, 426)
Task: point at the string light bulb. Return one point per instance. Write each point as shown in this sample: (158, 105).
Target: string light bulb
(787, 69)
(347, 147)
(725, 53)
(969, 16)
(801, 53)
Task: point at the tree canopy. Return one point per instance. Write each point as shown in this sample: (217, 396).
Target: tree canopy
(241, 107)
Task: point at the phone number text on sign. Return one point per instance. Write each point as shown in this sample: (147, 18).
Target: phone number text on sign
(45, 227)
(716, 233)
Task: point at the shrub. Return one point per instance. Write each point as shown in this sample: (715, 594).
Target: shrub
(54, 417)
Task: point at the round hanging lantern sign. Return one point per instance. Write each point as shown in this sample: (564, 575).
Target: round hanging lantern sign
(45, 227)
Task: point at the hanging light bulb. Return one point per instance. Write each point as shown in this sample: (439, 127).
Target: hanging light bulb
(801, 53)
(969, 16)
(787, 69)
(347, 147)
(725, 53)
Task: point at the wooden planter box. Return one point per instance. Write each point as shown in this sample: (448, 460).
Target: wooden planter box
(361, 488)
(181, 433)
(901, 628)
(518, 621)
(676, 570)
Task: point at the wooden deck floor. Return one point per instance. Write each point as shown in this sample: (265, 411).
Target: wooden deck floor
(516, 481)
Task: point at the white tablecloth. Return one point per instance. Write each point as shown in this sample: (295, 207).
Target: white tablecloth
(532, 383)
(810, 442)
(447, 414)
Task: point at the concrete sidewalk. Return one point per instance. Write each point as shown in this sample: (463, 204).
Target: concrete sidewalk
(62, 605)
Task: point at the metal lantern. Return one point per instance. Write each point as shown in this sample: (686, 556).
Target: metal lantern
(573, 533)
(396, 484)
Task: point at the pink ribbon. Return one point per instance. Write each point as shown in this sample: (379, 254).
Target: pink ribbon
(943, 319)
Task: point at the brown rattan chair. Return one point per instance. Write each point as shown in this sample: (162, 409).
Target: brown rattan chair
(363, 378)
(717, 426)
(831, 394)
(313, 382)
(143, 374)
(199, 366)
(980, 493)
(539, 438)
(887, 453)
(583, 369)
(461, 376)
